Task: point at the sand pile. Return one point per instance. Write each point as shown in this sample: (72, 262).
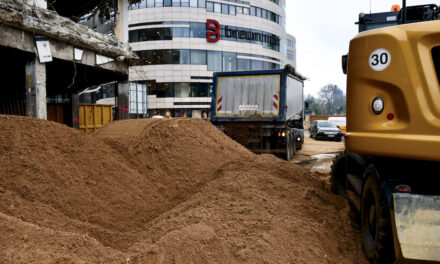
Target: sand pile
(160, 191)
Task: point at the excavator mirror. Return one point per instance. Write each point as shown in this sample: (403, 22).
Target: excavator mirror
(344, 63)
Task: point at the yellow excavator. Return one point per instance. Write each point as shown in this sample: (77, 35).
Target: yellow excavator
(390, 170)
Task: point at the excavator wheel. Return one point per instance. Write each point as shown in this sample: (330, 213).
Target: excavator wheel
(375, 222)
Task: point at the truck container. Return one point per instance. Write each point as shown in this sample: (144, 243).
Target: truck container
(262, 110)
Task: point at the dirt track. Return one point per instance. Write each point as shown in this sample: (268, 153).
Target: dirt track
(160, 191)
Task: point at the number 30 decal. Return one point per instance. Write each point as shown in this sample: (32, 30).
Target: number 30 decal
(380, 59)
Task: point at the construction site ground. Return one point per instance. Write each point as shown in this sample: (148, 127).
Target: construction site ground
(161, 191)
(317, 155)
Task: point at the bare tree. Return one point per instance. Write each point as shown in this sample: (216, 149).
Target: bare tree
(332, 100)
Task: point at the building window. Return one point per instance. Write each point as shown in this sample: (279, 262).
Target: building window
(246, 11)
(182, 32)
(167, 3)
(182, 90)
(232, 10)
(253, 10)
(198, 57)
(158, 3)
(225, 9)
(214, 60)
(176, 2)
(258, 13)
(243, 65)
(181, 57)
(210, 6)
(229, 61)
(256, 65)
(217, 8)
(202, 3)
(150, 3)
(184, 3)
(193, 3)
(239, 10)
(197, 30)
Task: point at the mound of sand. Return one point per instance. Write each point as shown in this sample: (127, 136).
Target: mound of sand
(160, 191)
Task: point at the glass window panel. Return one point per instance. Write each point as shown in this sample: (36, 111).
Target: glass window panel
(225, 9)
(200, 89)
(167, 3)
(210, 6)
(253, 11)
(150, 3)
(202, 3)
(214, 60)
(181, 57)
(256, 65)
(198, 57)
(217, 8)
(239, 10)
(176, 2)
(133, 36)
(264, 13)
(232, 10)
(246, 11)
(229, 61)
(258, 13)
(181, 32)
(243, 65)
(182, 90)
(193, 3)
(185, 56)
(197, 30)
(163, 90)
(167, 34)
(184, 2)
(158, 3)
(143, 4)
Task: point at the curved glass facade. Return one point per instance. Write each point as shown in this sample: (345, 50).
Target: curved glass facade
(222, 8)
(215, 60)
(159, 31)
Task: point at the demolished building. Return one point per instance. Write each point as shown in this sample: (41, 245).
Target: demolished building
(49, 57)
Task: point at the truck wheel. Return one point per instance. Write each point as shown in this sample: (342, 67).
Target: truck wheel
(338, 178)
(293, 145)
(289, 149)
(375, 222)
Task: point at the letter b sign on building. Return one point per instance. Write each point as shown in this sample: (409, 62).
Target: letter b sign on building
(213, 30)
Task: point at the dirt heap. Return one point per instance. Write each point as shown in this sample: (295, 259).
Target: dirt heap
(160, 191)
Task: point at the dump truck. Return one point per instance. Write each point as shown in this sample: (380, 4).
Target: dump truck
(390, 168)
(262, 110)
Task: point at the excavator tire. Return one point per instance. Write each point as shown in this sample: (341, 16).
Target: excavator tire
(376, 227)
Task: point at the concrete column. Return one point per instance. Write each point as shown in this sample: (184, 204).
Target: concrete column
(36, 102)
(121, 28)
(123, 100)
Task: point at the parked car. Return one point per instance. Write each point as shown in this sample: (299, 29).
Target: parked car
(323, 129)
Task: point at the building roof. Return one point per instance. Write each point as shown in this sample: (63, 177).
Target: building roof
(15, 13)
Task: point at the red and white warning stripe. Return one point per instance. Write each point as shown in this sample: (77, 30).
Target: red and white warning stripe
(275, 102)
(219, 105)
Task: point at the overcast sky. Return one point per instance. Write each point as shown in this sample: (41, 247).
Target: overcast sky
(323, 30)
